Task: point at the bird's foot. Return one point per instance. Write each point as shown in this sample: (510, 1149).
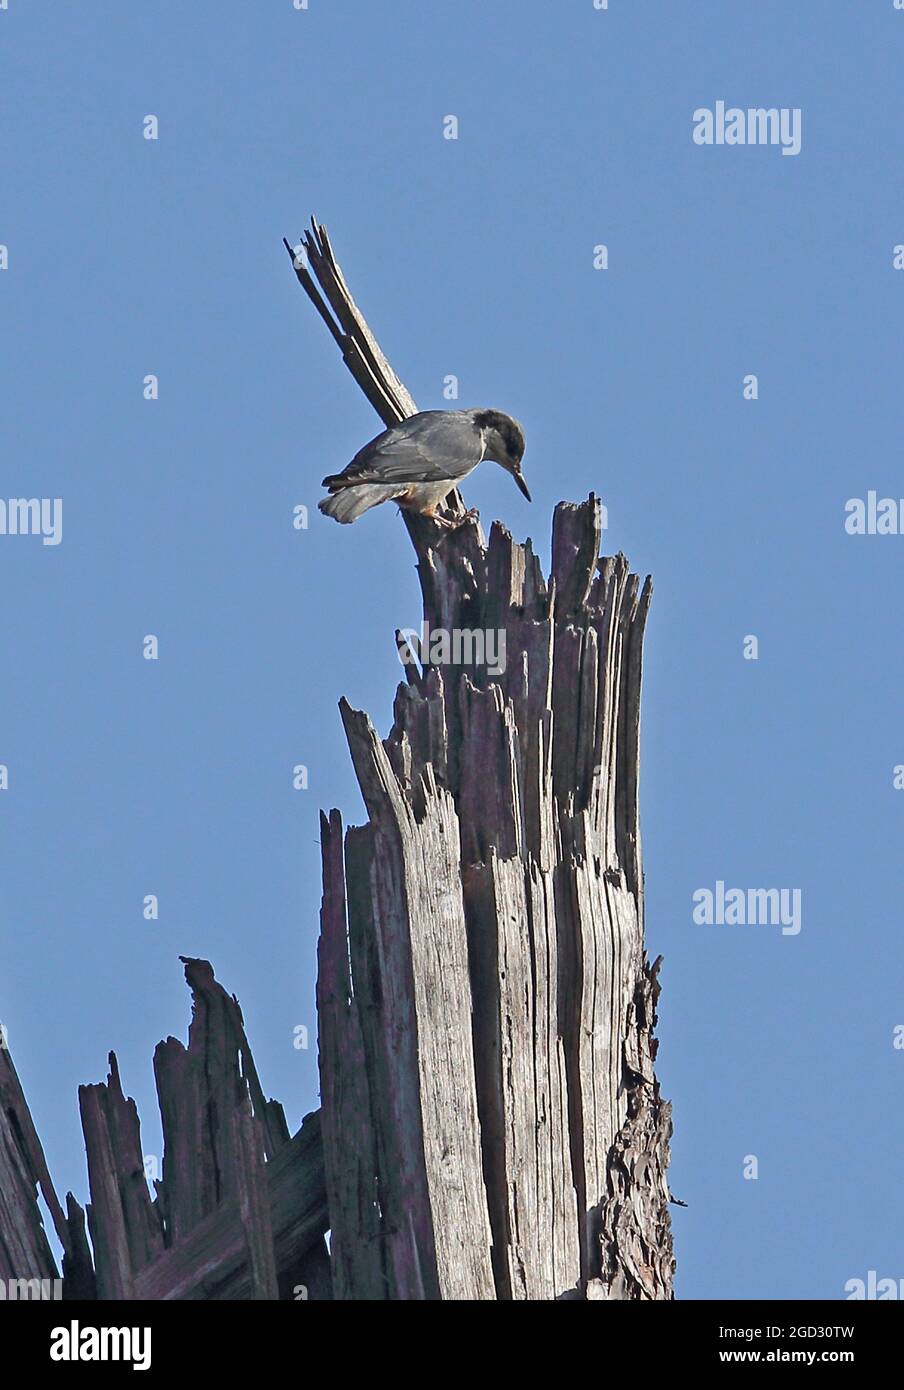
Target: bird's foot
(454, 520)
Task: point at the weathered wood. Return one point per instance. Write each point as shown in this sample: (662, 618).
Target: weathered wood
(412, 983)
(509, 799)
(241, 1212)
(125, 1225)
(79, 1279)
(322, 280)
(634, 1227)
(254, 1206)
(211, 1262)
(360, 350)
(241, 1209)
(310, 1278)
(24, 1249)
(199, 1088)
(355, 1245)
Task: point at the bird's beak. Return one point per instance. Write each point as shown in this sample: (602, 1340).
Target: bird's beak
(519, 479)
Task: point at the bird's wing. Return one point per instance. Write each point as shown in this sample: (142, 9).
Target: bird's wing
(430, 447)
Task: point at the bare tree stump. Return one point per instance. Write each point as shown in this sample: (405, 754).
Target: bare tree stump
(493, 1127)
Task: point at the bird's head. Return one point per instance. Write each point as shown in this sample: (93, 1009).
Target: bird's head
(503, 443)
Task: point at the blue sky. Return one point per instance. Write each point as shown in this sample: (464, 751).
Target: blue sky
(475, 258)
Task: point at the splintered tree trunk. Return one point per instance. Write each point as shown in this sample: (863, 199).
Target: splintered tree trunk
(493, 1127)
(492, 1124)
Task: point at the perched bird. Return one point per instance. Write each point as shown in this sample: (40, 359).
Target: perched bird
(420, 461)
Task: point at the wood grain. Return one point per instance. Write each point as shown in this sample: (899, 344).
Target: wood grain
(491, 1063)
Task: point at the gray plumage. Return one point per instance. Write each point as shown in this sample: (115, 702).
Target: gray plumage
(420, 461)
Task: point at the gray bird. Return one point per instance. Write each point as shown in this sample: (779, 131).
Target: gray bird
(420, 461)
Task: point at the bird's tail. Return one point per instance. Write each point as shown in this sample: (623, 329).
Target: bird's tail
(347, 503)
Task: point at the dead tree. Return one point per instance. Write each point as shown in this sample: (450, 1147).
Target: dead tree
(492, 1124)
(240, 1211)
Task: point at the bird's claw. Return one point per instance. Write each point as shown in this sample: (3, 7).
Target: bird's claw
(454, 522)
